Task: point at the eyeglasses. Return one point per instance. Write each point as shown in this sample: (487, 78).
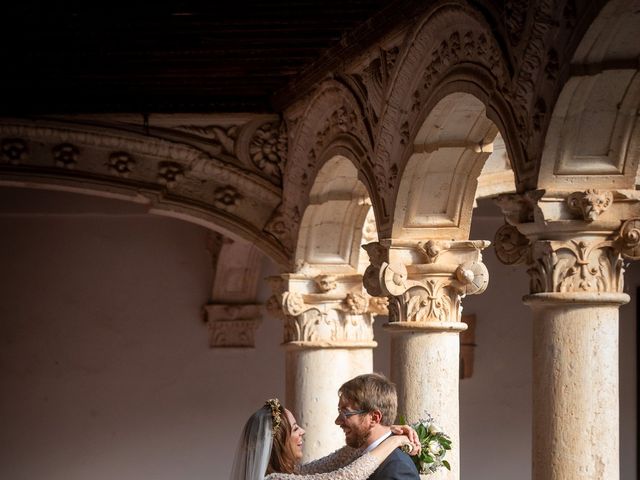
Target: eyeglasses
(344, 414)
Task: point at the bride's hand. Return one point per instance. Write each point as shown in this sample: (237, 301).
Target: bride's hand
(406, 444)
(411, 434)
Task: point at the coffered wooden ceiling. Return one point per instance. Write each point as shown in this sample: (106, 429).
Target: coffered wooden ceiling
(187, 56)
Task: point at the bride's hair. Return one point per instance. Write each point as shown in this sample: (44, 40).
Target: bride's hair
(282, 458)
(264, 445)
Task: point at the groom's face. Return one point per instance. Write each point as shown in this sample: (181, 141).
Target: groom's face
(356, 428)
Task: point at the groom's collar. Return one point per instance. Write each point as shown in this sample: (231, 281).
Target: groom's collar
(378, 441)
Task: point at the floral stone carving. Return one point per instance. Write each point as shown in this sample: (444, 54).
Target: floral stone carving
(121, 163)
(14, 151)
(65, 155)
(268, 149)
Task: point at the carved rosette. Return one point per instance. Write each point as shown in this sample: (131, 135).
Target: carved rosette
(432, 291)
(170, 173)
(14, 151)
(66, 155)
(121, 164)
(268, 149)
(226, 198)
(325, 310)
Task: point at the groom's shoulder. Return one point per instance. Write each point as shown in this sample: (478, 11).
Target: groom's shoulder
(397, 466)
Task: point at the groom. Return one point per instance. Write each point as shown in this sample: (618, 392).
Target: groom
(367, 407)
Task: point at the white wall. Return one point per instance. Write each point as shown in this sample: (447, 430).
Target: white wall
(106, 371)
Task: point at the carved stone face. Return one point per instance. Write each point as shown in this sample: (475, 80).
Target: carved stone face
(326, 283)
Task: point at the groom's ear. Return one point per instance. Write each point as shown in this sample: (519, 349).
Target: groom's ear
(376, 416)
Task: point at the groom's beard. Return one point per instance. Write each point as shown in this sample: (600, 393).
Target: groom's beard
(359, 439)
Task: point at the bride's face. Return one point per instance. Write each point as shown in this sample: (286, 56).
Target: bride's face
(296, 438)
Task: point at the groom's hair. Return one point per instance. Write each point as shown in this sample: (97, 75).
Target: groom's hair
(372, 391)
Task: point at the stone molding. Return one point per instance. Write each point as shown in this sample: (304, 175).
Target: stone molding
(425, 282)
(231, 180)
(232, 325)
(324, 310)
(571, 242)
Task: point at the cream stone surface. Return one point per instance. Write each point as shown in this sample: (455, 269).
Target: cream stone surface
(426, 367)
(389, 143)
(313, 376)
(575, 381)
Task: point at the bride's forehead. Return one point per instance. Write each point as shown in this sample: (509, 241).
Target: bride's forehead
(290, 416)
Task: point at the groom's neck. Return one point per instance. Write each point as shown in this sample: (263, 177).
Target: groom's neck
(377, 432)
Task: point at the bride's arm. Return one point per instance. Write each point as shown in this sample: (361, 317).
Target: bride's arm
(333, 461)
(359, 469)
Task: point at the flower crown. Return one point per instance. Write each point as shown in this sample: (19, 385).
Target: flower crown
(276, 414)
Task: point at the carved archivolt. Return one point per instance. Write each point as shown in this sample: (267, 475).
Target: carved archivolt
(179, 176)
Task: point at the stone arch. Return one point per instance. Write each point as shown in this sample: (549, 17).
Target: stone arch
(337, 220)
(330, 125)
(169, 177)
(593, 139)
(438, 184)
(453, 50)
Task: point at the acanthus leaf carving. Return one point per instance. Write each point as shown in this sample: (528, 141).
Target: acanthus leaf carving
(576, 266)
(223, 139)
(431, 303)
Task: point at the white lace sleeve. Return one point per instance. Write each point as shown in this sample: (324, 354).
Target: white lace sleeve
(333, 461)
(359, 469)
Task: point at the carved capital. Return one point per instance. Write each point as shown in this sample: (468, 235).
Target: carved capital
(578, 265)
(420, 293)
(232, 325)
(324, 310)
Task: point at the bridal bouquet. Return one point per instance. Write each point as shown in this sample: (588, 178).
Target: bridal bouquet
(435, 444)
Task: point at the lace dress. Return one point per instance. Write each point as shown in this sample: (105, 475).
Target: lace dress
(344, 464)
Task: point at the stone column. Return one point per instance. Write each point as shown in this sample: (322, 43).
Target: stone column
(425, 284)
(573, 245)
(328, 337)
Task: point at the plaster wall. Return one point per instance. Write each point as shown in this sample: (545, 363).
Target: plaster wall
(106, 371)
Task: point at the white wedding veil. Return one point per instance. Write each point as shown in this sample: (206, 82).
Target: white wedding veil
(254, 449)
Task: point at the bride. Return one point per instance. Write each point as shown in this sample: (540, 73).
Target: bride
(271, 448)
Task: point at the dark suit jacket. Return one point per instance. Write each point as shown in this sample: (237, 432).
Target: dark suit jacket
(397, 466)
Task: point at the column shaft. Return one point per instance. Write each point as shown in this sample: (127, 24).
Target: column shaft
(313, 377)
(426, 369)
(575, 389)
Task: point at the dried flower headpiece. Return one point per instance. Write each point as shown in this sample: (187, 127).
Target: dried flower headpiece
(276, 413)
